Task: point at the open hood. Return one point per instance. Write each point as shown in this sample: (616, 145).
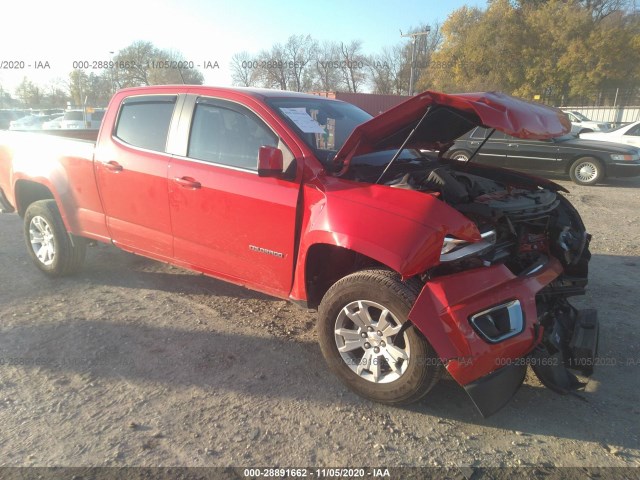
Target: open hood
(450, 117)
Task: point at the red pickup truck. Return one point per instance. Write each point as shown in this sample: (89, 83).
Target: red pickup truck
(416, 263)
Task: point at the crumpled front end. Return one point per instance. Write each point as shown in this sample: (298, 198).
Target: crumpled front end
(492, 308)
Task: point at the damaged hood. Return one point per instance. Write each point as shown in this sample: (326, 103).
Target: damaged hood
(450, 117)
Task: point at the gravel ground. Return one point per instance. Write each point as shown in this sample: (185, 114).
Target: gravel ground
(137, 363)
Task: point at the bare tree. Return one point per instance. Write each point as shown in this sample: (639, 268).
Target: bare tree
(385, 71)
(55, 95)
(243, 70)
(133, 59)
(272, 68)
(141, 63)
(352, 65)
(299, 51)
(325, 69)
(603, 8)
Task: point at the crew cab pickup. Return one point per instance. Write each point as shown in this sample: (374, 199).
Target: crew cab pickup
(415, 263)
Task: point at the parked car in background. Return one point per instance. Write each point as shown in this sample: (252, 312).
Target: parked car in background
(587, 162)
(78, 119)
(581, 124)
(54, 123)
(6, 117)
(629, 134)
(30, 122)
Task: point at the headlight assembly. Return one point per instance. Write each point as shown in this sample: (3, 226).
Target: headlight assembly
(628, 157)
(455, 249)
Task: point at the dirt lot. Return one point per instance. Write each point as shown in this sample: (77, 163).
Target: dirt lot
(133, 362)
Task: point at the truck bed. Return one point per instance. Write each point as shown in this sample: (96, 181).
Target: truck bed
(34, 155)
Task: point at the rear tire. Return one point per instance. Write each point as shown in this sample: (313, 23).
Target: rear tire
(363, 342)
(53, 250)
(586, 171)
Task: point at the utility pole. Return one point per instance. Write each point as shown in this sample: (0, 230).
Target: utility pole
(414, 37)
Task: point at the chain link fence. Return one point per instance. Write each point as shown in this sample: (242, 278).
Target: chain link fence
(616, 106)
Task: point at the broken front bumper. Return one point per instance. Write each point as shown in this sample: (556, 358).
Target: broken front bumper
(456, 313)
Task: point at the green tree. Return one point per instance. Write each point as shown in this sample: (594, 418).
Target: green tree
(78, 87)
(29, 94)
(549, 48)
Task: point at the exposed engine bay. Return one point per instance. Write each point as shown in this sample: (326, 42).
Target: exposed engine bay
(522, 224)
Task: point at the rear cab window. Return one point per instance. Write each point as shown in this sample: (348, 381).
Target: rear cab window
(144, 121)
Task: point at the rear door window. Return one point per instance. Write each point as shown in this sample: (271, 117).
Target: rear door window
(144, 121)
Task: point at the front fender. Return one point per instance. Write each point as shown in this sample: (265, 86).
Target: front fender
(401, 229)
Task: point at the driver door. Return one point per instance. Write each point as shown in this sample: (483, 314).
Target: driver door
(226, 220)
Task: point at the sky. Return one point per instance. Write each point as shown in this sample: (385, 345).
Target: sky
(38, 32)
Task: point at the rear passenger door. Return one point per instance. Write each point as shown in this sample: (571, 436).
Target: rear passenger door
(131, 171)
(227, 221)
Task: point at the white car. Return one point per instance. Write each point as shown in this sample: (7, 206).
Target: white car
(54, 123)
(29, 122)
(629, 134)
(82, 120)
(581, 124)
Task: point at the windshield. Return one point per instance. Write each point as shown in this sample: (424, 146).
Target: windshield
(580, 116)
(323, 124)
(620, 127)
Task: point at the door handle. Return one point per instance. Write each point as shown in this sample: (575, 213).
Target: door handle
(113, 166)
(187, 182)
(514, 145)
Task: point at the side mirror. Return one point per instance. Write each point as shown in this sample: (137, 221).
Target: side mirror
(269, 162)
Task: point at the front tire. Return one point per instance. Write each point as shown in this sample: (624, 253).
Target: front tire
(363, 341)
(586, 171)
(51, 247)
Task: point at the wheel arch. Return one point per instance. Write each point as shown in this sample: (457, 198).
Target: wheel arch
(28, 192)
(326, 263)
